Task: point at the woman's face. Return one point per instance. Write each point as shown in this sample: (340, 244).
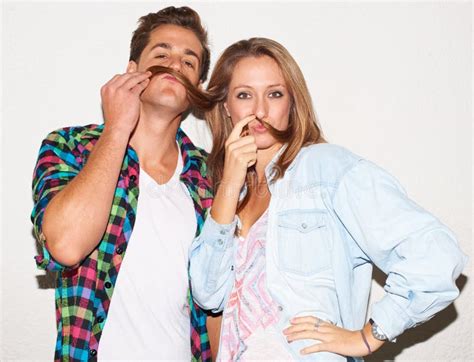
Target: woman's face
(258, 88)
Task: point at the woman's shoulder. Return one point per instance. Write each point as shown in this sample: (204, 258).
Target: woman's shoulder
(323, 163)
(327, 154)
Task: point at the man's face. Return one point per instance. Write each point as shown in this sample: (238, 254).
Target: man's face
(177, 48)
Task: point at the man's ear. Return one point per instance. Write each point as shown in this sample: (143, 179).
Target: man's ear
(226, 109)
(132, 66)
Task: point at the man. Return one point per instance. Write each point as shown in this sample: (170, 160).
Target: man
(88, 214)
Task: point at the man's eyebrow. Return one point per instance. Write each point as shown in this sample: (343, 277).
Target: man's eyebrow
(168, 46)
(192, 53)
(161, 45)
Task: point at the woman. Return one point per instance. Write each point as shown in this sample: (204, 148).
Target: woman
(287, 249)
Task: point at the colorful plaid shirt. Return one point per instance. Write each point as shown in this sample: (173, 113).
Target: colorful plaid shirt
(83, 294)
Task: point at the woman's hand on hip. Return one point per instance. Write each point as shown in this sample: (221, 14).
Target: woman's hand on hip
(330, 338)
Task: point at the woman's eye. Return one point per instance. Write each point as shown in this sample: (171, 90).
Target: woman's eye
(243, 95)
(276, 94)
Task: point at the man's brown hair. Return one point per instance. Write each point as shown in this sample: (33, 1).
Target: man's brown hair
(182, 16)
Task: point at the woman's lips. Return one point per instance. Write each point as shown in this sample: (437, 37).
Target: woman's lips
(258, 127)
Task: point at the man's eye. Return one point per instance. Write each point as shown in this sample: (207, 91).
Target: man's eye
(189, 64)
(243, 95)
(276, 94)
(161, 56)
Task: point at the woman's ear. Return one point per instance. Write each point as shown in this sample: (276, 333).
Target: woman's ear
(132, 66)
(226, 109)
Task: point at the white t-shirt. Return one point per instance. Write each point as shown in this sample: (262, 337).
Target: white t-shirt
(149, 312)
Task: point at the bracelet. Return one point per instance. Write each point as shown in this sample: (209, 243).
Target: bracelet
(365, 341)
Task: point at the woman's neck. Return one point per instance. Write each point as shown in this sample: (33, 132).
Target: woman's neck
(264, 157)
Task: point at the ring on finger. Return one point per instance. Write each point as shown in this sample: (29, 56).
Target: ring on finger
(317, 324)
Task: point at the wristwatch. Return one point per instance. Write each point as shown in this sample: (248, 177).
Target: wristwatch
(377, 332)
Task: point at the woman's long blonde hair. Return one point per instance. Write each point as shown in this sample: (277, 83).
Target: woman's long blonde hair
(303, 129)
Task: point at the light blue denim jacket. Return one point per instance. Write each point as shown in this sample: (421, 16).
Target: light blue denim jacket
(331, 216)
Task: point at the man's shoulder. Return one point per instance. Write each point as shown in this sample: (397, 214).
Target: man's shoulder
(193, 151)
(76, 134)
(201, 153)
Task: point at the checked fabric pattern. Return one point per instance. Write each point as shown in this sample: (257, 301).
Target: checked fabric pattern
(83, 293)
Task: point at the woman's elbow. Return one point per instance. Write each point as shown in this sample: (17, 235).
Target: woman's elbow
(453, 261)
(207, 298)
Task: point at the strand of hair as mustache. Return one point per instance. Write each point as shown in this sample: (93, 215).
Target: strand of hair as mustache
(206, 100)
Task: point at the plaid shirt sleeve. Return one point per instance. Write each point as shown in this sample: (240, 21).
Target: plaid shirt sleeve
(56, 166)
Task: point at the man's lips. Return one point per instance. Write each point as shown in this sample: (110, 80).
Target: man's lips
(170, 78)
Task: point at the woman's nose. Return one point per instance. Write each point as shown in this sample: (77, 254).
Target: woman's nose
(260, 109)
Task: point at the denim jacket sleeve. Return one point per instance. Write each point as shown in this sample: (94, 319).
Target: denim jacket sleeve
(212, 256)
(418, 253)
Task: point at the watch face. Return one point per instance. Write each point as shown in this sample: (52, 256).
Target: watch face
(377, 332)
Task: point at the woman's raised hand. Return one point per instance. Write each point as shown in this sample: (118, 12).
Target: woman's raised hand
(240, 154)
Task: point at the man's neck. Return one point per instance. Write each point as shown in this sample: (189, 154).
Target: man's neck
(154, 140)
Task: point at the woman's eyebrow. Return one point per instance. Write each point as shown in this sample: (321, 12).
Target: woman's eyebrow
(269, 86)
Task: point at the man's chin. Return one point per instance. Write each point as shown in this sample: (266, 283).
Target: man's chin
(167, 100)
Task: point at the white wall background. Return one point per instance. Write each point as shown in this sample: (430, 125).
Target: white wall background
(390, 80)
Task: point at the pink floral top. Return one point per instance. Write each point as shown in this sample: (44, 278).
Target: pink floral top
(250, 306)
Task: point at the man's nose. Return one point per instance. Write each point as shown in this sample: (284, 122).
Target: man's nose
(175, 63)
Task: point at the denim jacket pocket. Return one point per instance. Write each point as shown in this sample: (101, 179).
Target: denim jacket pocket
(303, 245)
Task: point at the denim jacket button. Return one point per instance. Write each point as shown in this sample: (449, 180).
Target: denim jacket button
(304, 225)
(280, 308)
(222, 232)
(220, 242)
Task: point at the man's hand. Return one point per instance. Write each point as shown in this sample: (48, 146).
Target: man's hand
(121, 100)
(76, 218)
